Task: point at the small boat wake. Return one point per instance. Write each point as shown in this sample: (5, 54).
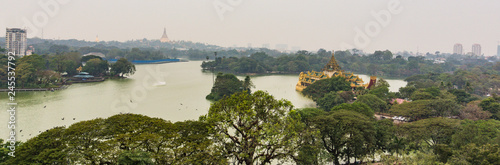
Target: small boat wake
(159, 84)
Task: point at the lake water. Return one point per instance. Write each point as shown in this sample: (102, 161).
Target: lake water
(172, 91)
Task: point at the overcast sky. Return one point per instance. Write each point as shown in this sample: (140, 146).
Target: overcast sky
(425, 25)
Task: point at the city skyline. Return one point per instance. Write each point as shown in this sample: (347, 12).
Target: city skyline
(333, 25)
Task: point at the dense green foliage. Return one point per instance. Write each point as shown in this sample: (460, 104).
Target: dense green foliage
(122, 67)
(492, 105)
(89, 57)
(346, 134)
(322, 87)
(255, 128)
(97, 67)
(227, 84)
(479, 81)
(430, 137)
(31, 72)
(374, 102)
(136, 54)
(379, 63)
(260, 62)
(121, 139)
(358, 107)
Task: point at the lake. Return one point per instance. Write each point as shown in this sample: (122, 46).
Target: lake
(171, 91)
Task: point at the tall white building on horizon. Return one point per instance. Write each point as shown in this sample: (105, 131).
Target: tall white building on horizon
(498, 50)
(476, 49)
(16, 41)
(458, 49)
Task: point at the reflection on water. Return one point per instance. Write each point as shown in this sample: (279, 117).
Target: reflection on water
(172, 91)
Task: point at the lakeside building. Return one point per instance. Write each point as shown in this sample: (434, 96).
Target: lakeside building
(16, 41)
(331, 69)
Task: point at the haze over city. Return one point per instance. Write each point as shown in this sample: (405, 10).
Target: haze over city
(428, 26)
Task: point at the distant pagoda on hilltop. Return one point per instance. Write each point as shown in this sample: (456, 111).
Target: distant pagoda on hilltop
(164, 37)
(331, 69)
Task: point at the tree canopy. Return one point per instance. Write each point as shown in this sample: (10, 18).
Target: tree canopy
(118, 139)
(322, 87)
(346, 134)
(227, 84)
(253, 128)
(122, 67)
(96, 66)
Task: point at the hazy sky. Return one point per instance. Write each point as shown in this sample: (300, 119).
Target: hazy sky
(330, 24)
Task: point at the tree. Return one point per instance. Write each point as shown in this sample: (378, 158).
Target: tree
(87, 58)
(381, 89)
(346, 134)
(66, 62)
(384, 133)
(193, 145)
(421, 95)
(122, 139)
(473, 112)
(356, 107)
(462, 96)
(247, 84)
(444, 107)
(25, 73)
(227, 84)
(255, 127)
(491, 105)
(96, 66)
(423, 156)
(57, 49)
(4, 150)
(330, 100)
(46, 148)
(35, 60)
(431, 131)
(70, 67)
(480, 132)
(477, 154)
(56, 63)
(322, 87)
(376, 104)
(123, 67)
(415, 110)
(310, 151)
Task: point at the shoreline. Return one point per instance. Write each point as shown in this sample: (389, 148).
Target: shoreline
(36, 89)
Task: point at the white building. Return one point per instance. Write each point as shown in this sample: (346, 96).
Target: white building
(16, 41)
(498, 50)
(458, 49)
(476, 49)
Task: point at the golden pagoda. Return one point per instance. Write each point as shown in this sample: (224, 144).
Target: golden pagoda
(164, 37)
(331, 69)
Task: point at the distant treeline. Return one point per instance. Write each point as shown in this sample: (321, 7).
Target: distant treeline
(379, 63)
